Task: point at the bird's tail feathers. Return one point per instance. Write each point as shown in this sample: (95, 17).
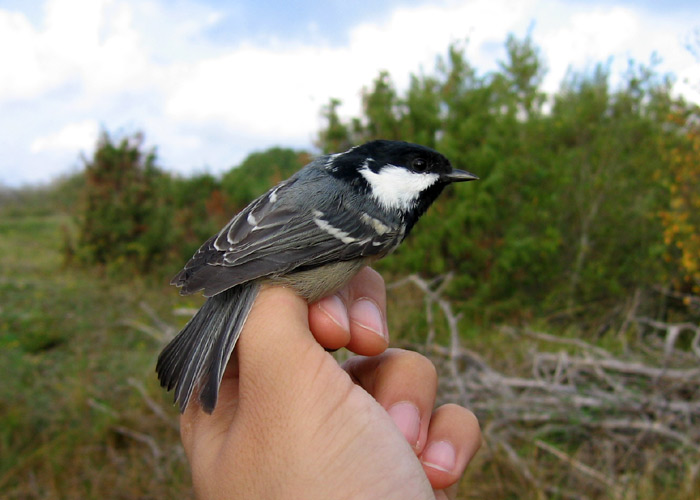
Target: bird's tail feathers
(198, 355)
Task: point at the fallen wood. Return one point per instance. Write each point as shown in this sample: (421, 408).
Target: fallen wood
(631, 410)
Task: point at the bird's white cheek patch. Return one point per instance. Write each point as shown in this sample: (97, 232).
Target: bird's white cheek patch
(397, 188)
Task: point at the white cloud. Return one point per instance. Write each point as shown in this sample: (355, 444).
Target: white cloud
(278, 90)
(150, 65)
(688, 83)
(84, 42)
(72, 137)
(23, 68)
(612, 34)
(587, 38)
(414, 36)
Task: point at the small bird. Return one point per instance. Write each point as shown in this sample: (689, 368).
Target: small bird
(312, 232)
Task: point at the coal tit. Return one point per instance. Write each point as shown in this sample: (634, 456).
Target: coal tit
(312, 232)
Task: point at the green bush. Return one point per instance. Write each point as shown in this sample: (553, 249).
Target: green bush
(126, 217)
(566, 211)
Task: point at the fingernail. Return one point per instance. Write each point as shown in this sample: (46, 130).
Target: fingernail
(335, 309)
(440, 456)
(365, 313)
(407, 419)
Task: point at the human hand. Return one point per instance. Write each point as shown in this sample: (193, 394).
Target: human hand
(291, 423)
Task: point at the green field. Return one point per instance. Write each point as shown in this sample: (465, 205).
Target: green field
(73, 423)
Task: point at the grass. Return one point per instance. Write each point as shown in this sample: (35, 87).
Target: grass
(65, 357)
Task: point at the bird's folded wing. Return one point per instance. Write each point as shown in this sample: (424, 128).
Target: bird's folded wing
(275, 236)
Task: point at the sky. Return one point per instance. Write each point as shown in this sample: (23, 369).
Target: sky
(210, 81)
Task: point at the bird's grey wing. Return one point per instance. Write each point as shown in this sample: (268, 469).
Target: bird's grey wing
(274, 236)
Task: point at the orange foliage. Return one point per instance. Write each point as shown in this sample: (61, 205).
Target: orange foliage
(217, 205)
(682, 218)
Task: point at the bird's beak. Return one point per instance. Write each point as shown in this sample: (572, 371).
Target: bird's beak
(459, 176)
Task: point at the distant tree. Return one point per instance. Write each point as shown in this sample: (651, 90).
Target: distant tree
(201, 204)
(566, 209)
(382, 110)
(125, 217)
(609, 154)
(335, 136)
(421, 121)
(259, 172)
(199, 210)
(65, 190)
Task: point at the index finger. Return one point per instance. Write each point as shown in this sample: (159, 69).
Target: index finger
(354, 317)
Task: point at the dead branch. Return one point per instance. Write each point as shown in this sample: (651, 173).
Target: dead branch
(634, 409)
(631, 313)
(96, 405)
(673, 331)
(160, 324)
(434, 296)
(690, 299)
(152, 332)
(562, 340)
(185, 311)
(155, 407)
(653, 427)
(141, 438)
(160, 330)
(691, 375)
(579, 466)
(517, 463)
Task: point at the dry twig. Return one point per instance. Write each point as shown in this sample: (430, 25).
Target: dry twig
(635, 410)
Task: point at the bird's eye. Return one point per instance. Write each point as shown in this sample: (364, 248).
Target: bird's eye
(419, 164)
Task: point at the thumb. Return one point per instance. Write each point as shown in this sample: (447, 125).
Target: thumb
(276, 347)
(275, 378)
